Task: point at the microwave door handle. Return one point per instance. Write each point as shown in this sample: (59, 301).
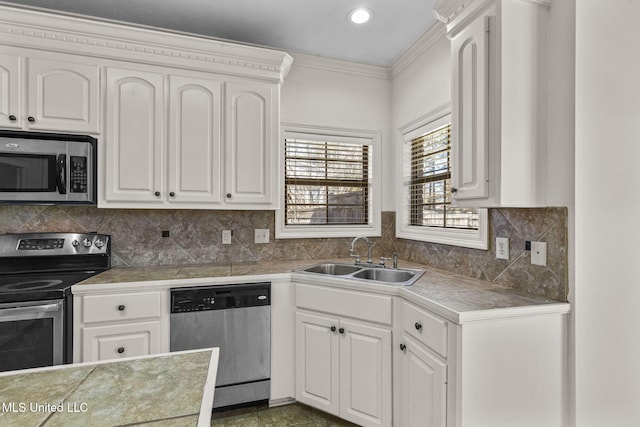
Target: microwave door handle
(61, 170)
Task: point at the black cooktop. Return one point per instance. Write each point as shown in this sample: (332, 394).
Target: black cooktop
(44, 266)
(40, 286)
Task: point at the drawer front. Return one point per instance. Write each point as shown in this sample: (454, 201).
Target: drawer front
(425, 327)
(358, 305)
(108, 308)
(119, 341)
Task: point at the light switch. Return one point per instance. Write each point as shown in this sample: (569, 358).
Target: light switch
(502, 247)
(539, 253)
(226, 237)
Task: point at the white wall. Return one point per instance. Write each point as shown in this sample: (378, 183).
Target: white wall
(607, 254)
(339, 94)
(424, 85)
(561, 146)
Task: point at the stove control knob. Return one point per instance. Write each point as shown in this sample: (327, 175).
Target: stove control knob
(86, 243)
(75, 243)
(99, 243)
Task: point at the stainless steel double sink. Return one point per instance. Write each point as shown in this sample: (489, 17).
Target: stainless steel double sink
(373, 274)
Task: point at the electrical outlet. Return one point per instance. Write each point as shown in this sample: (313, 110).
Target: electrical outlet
(226, 237)
(261, 235)
(539, 253)
(502, 247)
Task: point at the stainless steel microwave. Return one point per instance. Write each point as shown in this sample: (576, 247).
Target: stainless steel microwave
(46, 168)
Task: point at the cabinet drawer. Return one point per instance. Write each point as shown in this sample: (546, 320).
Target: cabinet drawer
(425, 327)
(358, 305)
(118, 341)
(107, 308)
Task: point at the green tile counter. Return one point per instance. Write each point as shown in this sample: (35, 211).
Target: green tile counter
(169, 389)
(456, 297)
(197, 271)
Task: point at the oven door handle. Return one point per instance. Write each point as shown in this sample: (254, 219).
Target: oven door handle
(29, 312)
(61, 170)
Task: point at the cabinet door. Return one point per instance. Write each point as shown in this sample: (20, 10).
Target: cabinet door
(134, 139)
(118, 341)
(62, 96)
(10, 106)
(317, 367)
(423, 387)
(194, 154)
(365, 374)
(470, 107)
(251, 133)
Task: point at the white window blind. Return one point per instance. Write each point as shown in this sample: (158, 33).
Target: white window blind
(326, 182)
(430, 184)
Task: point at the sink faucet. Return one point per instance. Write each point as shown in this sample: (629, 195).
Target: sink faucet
(352, 250)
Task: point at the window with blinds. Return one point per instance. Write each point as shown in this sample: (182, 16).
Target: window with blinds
(430, 185)
(326, 182)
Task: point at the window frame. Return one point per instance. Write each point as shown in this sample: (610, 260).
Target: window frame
(476, 239)
(370, 138)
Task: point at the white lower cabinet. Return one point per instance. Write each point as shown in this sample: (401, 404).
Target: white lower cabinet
(121, 340)
(123, 324)
(420, 367)
(343, 365)
(423, 386)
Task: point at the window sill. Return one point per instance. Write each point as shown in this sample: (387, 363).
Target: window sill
(475, 239)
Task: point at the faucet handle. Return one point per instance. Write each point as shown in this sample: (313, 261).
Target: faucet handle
(383, 259)
(354, 255)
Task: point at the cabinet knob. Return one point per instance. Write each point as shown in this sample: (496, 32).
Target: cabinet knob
(403, 347)
(157, 194)
(228, 195)
(454, 190)
(172, 194)
(341, 330)
(333, 329)
(12, 118)
(31, 119)
(418, 325)
(120, 350)
(121, 308)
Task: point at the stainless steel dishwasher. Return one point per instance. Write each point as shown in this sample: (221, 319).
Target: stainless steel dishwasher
(236, 318)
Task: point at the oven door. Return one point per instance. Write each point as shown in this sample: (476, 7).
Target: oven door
(31, 334)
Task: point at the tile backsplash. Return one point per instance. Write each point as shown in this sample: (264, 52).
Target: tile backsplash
(195, 236)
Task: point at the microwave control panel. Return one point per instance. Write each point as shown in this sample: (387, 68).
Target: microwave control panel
(78, 174)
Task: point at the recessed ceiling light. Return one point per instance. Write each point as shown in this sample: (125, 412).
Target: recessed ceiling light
(360, 15)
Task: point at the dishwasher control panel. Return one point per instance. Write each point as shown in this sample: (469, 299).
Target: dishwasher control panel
(204, 298)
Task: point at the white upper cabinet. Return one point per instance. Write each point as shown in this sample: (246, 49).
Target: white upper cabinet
(190, 122)
(134, 133)
(10, 101)
(48, 95)
(498, 57)
(251, 137)
(192, 166)
(470, 115)
(195, 173)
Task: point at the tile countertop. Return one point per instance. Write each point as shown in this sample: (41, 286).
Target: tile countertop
(172, 389)
(456, 297)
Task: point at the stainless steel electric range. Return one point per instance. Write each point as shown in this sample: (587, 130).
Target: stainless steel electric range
(37, 271)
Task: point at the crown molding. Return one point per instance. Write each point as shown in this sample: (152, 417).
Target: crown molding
(453, 13)
(304, 60)
(417, 48)
(36, 29)
(446, 10)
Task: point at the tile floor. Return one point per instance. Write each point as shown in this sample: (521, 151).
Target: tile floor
(280, 416)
